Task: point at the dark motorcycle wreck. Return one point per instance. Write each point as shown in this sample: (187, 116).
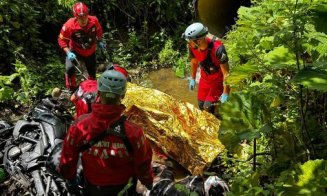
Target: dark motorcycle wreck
(32, 141)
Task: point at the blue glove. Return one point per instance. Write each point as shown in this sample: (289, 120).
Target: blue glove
(191, 84)
(71, 56)
(223, 98)
(102, 45)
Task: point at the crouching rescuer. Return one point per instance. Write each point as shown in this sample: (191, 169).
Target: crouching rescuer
(211, 55)
(112, 164)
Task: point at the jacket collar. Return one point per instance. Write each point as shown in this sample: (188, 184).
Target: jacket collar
(102, 110)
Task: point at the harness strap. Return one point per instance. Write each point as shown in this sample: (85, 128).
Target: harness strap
(207, 64)
(117, 129)
(89, 107)
(210, 46)
(126, 187)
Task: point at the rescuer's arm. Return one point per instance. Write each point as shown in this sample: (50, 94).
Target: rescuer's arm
(221, 54)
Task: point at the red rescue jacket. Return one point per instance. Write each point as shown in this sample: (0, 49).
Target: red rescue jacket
(107, 162)
(82, 40)
(84, 97)
(202, 55)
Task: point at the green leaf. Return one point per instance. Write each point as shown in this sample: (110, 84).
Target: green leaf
(16, 25)
(276, 101)
(249, 135)
(267, 128)
(321, 5)
(242, 72)
(323, 181)
(7, 80)
(242, 117)
(194, 194)
(310, 169)
(182, 188)
(312, 78)
(267, 42)
(6, 93)
(280, 57)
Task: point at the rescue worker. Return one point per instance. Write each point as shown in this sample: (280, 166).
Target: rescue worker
(86, 93)
(107, 165)
(210, 54)
(78, 38)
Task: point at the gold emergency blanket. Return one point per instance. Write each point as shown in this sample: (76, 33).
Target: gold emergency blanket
(179, 129)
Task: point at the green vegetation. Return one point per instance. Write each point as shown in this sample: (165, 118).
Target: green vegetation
(32, 62)
(279, 107)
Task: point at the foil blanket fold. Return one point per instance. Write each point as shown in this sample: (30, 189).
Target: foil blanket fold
(179, 129)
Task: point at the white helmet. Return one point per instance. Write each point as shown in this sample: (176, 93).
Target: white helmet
(195, 31)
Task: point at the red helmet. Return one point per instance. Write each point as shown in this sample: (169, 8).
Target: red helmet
(119, 69)
(80, 10)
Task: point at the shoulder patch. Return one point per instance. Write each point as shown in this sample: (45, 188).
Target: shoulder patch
(221, 54)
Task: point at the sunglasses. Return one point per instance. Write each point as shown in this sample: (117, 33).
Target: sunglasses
(194, 43)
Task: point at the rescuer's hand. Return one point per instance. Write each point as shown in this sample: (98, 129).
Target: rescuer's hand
(191, 84)
(223, 98)
(102, 45)
(71, 56)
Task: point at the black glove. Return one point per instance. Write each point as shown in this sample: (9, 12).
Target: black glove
(149, 186)
(73, 186)
(74, 190)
